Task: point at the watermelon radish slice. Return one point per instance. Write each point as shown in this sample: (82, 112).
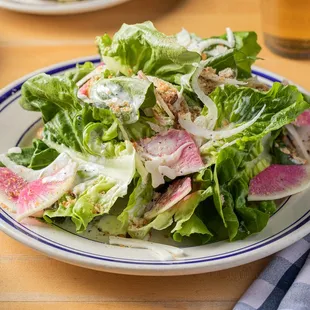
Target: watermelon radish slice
(44, 192)
(279, 181)
(303, 119)
(10, 187)
(175, 192)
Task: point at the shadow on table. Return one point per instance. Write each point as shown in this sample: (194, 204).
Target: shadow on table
(98, 22)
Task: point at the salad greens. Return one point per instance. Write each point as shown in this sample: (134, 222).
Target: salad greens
(165, 134)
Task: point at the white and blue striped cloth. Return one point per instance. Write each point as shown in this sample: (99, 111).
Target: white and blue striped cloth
(284, 284)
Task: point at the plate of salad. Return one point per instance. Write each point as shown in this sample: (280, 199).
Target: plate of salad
(57, 7)
(165, 155)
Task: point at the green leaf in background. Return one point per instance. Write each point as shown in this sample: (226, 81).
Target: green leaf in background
(143, 47)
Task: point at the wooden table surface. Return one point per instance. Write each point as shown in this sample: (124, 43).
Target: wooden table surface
(30, 280)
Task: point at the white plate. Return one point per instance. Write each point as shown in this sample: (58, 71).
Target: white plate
(54, 8)
(290, 223)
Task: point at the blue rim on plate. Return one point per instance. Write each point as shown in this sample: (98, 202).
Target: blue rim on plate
(10, 92)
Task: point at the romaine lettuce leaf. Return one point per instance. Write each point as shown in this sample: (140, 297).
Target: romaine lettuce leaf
(80, 71)
(245, 52)
(240, 104)
(49, 95)
(187, 222)
(36, 157)
(193, 228)
(278, 106)
(42, 155)
(143, 47)
(139, 199)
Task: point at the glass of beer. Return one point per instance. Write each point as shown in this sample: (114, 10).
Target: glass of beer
(286, 26)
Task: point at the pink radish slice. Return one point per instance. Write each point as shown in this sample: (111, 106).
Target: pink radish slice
(175, 192)
(279, 181)
(43, 193)
(170, 142)
(303, 119)
(10, 187)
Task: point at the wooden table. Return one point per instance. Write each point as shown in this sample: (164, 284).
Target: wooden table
(30, 280)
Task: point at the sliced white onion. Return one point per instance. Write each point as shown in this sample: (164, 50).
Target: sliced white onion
(164, 252)
(212, 116)
(155, 127)
(230, 42)
(186, 123)
(163, 105)
(183, 38)
(207, 43)
(218, 50)
(298, 140)
(230, 37)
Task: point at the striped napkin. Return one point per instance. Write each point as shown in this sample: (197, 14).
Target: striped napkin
(284, 284)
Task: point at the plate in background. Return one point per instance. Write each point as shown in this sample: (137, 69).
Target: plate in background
(289, 224)
(57, 8)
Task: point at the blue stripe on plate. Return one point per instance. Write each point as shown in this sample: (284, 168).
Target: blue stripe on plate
(304, 219)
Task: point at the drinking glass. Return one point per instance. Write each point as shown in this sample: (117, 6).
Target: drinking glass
(286, 27)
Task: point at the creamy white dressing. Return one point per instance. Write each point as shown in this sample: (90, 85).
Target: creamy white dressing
(66, 172)
(16, 150)
(163, 252)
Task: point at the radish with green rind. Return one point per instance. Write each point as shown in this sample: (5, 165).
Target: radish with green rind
(279, 181)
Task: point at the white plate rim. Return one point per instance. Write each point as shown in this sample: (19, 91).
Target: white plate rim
(60, 8)
(284, 239)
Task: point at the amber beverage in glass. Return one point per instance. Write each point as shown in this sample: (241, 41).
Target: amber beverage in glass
(286, 26)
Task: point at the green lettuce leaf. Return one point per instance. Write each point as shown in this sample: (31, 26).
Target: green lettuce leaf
(36, 157)
(185, 218)
(240, 104)
(140, 197)
(245, 52)
(80, 71)
(239, 58)
(42, 155)
(49, 95)
(143, 47)
(193, 228)
(140, 129)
